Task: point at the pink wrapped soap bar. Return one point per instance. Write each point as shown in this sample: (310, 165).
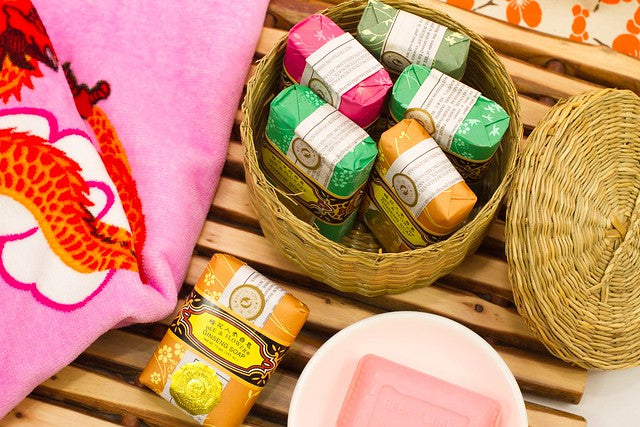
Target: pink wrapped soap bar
(385, 393)
(320, 55)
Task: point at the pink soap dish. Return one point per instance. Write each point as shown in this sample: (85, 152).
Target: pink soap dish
(441, 348)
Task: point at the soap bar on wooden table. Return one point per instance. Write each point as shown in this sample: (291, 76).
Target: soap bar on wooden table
(225, 342)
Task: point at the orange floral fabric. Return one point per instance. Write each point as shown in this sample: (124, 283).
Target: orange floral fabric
(612, 23)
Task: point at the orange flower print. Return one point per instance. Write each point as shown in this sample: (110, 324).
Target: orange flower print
(527, 10)
(614, 1)
(629, 44)
(579, 27)
(463, 4)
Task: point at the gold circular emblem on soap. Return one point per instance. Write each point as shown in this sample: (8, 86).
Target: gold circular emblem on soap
(423, 117)
(248, 301)
(394, 61)
(321, 90)
(196, 388)
(306, 155)
(406, 189)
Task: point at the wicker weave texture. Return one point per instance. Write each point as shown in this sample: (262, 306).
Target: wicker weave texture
(573, 235)
(357, 268)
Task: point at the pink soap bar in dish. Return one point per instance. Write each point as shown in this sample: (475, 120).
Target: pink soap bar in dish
(320, 55)
(385, 393)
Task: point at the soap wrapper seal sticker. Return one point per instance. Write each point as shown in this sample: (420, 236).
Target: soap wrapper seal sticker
(251, 295)
(203, 397)
(420, 174)
(446, 103)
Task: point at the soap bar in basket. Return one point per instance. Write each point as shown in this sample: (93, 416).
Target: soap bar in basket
(318, 156)
(398, 39)
(464, 123)
(225, 342)
(415, 196)
(319, 54)
(385, 393)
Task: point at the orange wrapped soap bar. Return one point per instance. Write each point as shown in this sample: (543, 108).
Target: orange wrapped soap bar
(225, 342)
(415, 196)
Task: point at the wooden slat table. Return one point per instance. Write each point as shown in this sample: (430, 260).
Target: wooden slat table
(100, 387)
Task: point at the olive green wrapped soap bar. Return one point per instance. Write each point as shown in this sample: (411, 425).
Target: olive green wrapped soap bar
(320, 157)
(398, 38)
(466, 125)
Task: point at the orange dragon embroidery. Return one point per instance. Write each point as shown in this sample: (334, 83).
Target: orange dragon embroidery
(24, 44)
(56, 206)
(111, 151)
(49, 185)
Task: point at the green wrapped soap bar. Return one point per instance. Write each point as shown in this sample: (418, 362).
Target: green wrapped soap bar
(398, 38)
(318, 156)
(466, 125)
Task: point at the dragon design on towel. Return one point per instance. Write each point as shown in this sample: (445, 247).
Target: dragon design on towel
(24, 45)
(71, 214)
(48, 183)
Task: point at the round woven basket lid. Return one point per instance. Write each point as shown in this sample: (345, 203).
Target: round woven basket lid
(573, 230)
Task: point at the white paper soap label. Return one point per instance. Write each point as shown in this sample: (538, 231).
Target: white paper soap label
(447, 102)
(251, 295)
(421, 173)
(338, 66)
(411, 40)
(321, 140)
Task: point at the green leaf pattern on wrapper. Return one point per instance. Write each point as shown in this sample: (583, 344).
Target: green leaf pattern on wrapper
(277, 135)
(479, 134)
(454, 37)
(312, 98)
(374, 28)
(288, 110)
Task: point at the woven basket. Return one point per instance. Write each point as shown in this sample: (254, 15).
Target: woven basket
(573, 235)
(356, 268)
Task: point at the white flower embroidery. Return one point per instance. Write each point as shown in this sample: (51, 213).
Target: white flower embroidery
(26, 259)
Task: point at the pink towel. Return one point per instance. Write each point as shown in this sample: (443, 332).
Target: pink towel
(101, 202)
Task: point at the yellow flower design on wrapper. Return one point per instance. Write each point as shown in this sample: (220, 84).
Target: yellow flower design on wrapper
(156, 378)
(179, 350)
(165, 354)
(196, 388)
